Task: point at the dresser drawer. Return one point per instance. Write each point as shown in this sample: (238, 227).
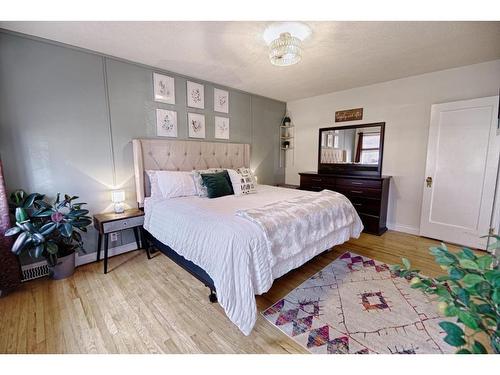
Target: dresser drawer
(316, 180)
(317, 187)
(357, 182)
(366, 206)
(117, 225)
(371, 223)
(359, 192)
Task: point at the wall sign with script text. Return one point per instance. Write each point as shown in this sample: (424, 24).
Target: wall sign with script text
(349, 115)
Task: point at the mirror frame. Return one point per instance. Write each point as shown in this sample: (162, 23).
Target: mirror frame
(350, 169)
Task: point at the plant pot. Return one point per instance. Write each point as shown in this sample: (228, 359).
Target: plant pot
(65, 267)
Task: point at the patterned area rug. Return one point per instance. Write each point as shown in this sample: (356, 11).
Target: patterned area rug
(356, 305)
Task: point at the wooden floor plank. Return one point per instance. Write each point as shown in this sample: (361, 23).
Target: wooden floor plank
(154, 306)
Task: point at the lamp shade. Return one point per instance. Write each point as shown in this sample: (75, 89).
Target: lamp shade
(117, 196)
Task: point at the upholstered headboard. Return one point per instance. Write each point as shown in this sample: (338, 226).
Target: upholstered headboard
(182, 155)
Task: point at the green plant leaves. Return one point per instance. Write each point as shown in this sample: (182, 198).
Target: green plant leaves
(478, 348)
(76, 213)
(451, 328)
(52, 248)
(484, 262)
(470, 291)
(472, 279)
(468, 264)
(406, 263)
(21, 215)
(12, 231)
(456, 273)
(43, 213)
(48, 228)
(468, 253)
(463, 296)
(66, 229)
(21, 241)
(454, 340)
(468, 319)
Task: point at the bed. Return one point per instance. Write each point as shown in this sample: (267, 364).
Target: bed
(236, 245)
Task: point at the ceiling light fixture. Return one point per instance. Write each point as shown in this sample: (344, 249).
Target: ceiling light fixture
(285, 42)
(286, 50)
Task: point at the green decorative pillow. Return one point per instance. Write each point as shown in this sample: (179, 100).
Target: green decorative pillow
(217, 184)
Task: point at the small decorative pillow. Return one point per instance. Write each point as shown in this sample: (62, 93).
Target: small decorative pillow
(243, 181)
(153, 184)
(217, 184)
(175, 184)
(201, 190)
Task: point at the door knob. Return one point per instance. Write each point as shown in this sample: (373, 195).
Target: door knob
(428, 180)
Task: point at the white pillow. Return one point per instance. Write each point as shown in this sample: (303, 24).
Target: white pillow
(201, 189)
(172, 184)
(153, 184)
(243, 181)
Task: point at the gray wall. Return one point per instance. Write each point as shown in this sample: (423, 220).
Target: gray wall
(67, 118)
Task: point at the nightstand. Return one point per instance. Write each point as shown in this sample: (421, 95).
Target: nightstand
(111, 222)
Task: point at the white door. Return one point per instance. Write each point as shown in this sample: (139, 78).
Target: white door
(461, 171)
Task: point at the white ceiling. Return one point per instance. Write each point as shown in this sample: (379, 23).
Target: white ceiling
(337, 56)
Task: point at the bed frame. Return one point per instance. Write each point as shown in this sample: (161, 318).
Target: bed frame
(183, 155)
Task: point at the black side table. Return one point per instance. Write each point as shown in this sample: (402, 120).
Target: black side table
(107, 223)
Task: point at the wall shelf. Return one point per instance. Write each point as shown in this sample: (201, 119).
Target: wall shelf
(286, 134)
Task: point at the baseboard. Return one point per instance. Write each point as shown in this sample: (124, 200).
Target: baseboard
(81, 259)
(404, 228)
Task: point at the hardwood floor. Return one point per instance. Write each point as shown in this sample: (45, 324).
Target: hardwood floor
(154, 306)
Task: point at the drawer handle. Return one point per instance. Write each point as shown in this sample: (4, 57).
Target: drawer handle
(357, 204)
(125, 223)
(356, 183)
(316, 187)
(357, 191)
(316, 179)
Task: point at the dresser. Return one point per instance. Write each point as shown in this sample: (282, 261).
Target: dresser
(368, 194)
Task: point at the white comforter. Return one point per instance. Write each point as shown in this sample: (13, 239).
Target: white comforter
(233, 250)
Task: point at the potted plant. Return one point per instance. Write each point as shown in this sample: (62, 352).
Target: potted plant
(49, 230)
(286, 121)
(470, 293)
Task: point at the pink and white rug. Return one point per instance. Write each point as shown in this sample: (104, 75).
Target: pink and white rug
(356, 305)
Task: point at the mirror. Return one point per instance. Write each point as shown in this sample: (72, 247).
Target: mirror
(351, 148)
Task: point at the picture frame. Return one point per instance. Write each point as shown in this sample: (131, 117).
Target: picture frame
(196, 125)
(221, 100)
(166, 123)
(195, 95)
(221, 127)
(163, 88)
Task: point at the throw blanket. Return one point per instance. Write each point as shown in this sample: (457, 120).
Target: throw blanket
(292, 225)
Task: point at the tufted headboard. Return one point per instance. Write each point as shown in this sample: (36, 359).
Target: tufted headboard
(182, 155)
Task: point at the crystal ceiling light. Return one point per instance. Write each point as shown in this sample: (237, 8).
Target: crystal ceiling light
(285, 42)
(286, 50)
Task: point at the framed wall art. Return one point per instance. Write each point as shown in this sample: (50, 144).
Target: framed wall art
(166, 123)
(195, 95)
(196, 125)
(164, 88)
(221, 101)
(221, 127)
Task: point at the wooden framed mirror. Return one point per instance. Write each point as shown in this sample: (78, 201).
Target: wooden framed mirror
(351, 150)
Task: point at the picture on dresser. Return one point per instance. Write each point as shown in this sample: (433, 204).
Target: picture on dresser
(221, 127)
(166, 123)
(196, 124)
(221, 101)
(195, 95)
(164, 88)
